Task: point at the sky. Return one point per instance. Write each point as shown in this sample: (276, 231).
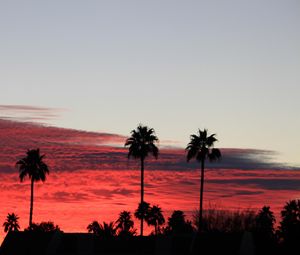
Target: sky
(99, 68)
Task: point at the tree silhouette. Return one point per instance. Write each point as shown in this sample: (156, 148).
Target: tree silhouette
(11, 223)
(104, 230)
(201, 148)
(265, 221)
(142, 143)
(125, 224)
(290, 224)
(94, 228)
(142, 213)
(108, 230)
(34, 167)
(155, 218)
(44, 226)
(178, 225)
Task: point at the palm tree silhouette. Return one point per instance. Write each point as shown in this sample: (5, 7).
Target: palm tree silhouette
(201, 148)
(142, 143)
(125, 224)
(142, 213)
(155, 218)
(108, 230)
(94, 228)
(11, 223)
(34, 167)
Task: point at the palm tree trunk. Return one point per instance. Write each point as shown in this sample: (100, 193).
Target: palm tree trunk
(142, 192)
(201, 197)
(31, 204)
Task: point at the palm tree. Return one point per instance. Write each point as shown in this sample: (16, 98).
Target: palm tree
(94, 228)
(142, 143)
(108, 230)
(125, 224)
(201, 148)
(11, 223)
(155, 218)
(34, 167)
(142, 213)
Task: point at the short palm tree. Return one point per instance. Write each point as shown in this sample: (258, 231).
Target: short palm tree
(105, 230)
(108, 230)
(141, 143)
(125, 224)
(142, 212)
(11, 223)
(155, 218)
(94, 228)
(35, 168)
(201, 148)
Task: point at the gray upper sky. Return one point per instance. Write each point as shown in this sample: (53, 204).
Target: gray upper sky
(230, 66)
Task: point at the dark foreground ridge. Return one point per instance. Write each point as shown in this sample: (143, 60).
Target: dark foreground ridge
(60, 243)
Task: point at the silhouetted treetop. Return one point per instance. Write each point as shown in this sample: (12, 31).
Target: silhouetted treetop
(142, 142)
(11, 223)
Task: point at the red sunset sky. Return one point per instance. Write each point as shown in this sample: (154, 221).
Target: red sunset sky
(91, 180)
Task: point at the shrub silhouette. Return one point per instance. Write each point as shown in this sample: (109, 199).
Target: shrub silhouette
(178, 225)
(44, 226)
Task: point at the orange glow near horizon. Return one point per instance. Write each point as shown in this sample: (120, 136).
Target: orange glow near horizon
(73, 200)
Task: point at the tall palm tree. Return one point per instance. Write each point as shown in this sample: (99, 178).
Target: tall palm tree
(11, 223)
(35, 168)
(142, 143)
(125, 224)
(155, 218)
(201, 148)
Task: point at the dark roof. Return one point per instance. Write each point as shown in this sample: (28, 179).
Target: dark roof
(59, 243)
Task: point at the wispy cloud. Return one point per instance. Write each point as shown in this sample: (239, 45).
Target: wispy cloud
(74, 150)
(29, 113)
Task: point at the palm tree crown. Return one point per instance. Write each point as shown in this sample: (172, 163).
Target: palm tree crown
(11, 223)
(155, 218)
(142, 142)
(200, 147)
(33, 166)
(125, 223)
